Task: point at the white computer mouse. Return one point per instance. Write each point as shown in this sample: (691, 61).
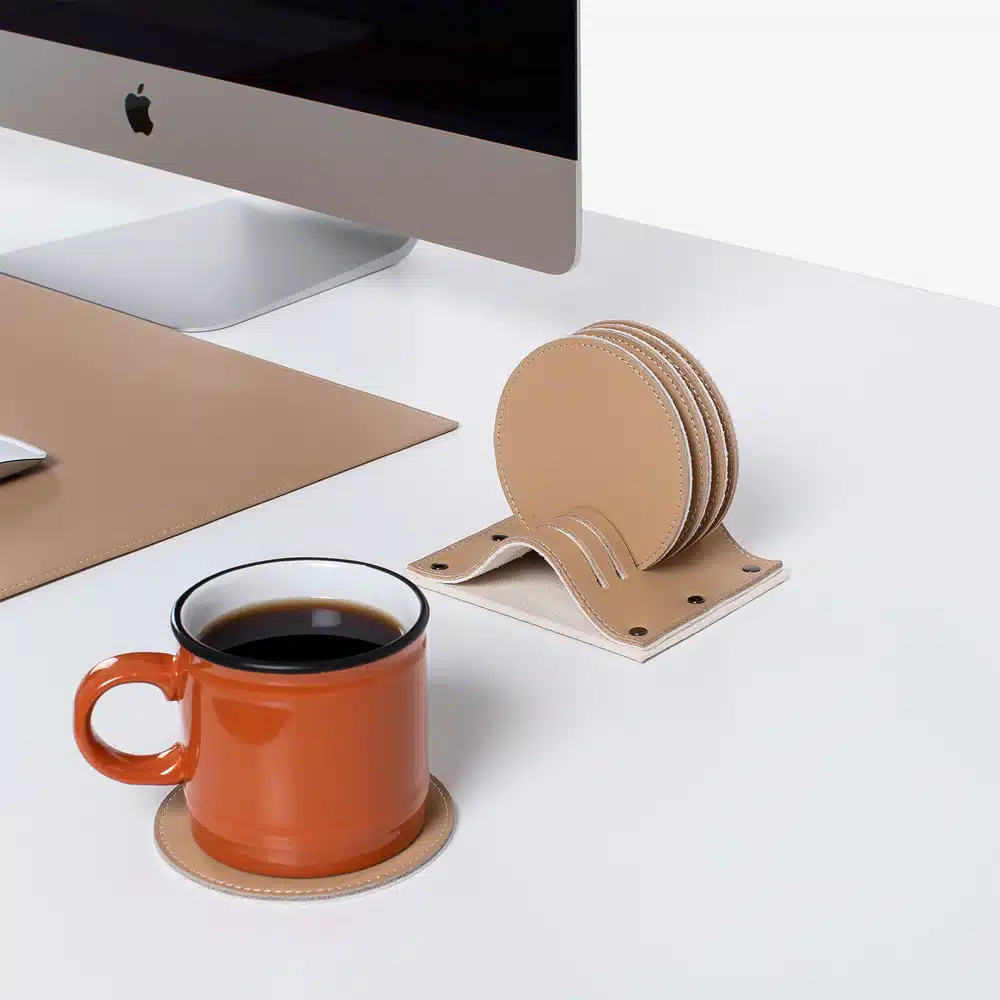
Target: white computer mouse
(18, 456)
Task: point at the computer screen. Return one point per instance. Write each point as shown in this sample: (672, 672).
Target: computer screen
(364, 125)
(500, 70)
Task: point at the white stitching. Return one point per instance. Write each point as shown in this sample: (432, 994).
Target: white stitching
(587, 554)
(724, 415)
(429, 850)
(671, 536)
(491, 530)
(729, 431)
(696, 383)
(703, 380)
(628, 341)
(619, 569)
(564, 575)
(551, 558)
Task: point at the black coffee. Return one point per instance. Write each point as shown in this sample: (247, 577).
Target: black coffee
(301, 631)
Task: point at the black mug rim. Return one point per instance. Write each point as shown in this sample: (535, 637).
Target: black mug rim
(212, 655)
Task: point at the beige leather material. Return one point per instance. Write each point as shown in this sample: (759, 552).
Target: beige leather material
(586, 451)
(172, 832)
(710, 414)
(655, 600)
(582, 422)
(529, 591)
(152, 433)
(732, 451)
(691, 419)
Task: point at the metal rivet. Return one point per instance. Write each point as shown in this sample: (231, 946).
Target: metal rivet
(638, 630)
(439, 565)
(696, 599)
(751, 569)
(499, 538)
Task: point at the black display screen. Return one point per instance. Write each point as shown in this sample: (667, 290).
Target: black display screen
(503, 70)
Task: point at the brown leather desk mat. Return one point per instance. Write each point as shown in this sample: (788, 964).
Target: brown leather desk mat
(151, 432)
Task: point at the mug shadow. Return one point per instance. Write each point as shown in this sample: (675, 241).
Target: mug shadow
(470, 722)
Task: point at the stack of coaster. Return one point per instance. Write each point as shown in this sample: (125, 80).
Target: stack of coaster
(618, 457)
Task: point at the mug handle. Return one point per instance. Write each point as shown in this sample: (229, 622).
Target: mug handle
(162, 670)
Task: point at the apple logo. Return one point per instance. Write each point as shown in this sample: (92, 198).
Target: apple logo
(137, 111)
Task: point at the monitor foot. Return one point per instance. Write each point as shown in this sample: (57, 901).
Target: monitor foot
(209, 267)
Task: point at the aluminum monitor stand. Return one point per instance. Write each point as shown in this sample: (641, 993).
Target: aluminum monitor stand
(208, 267)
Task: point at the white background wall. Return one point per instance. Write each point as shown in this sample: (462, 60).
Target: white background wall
(863, 134)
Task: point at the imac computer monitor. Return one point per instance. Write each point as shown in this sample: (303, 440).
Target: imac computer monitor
(345, 129)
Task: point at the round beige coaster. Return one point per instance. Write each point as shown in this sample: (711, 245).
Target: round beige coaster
(584, 423)
(172, 831)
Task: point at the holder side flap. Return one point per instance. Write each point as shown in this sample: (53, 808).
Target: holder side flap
(475, 554)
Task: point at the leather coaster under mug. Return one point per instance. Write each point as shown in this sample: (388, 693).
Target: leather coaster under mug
(172, 831)
(617, 455)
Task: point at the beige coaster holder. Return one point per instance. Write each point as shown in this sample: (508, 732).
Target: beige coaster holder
(617, 455)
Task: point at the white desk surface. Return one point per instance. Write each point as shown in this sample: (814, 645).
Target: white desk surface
(801, 802)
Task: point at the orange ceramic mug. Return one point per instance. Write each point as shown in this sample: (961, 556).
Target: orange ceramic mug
(288, 770)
